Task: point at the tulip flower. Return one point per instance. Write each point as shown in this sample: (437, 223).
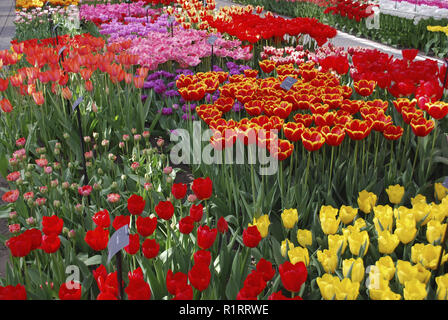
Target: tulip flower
(364, 87)
(347, 214)
(304, 237)
(422, 127)
(440, 191)
(293, 275)
(406, 229)
(387, 242)
(299, 254)
(353, 269)
(395, 193)
(289, 218)
(357, 241)
(262, 224)
(442, 287)
(414, 290)
(366, 201)
(438, 110)
(251, 237)
(328, 259)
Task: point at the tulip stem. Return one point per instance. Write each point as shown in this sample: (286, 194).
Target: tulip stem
(280, 180)
(435, 134)
(415, 157)
(307, 168)
(331, 170)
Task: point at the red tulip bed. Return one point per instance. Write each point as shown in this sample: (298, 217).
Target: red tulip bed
(307, 171)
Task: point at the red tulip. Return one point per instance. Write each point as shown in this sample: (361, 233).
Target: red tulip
(146, 226)
(206, 237)
(293, 275)
(251, 237)
(184, 292)
(202, 188)
(6, 105)
(265, 268)
(279, 296)
(438, 110)
(196, 212)
(199, 276)
(9, 292)
(186, 225)
(102, 218)
(393, 132)
(312, 140)
(136, 204)
(134, 244)
(222, 225)
(52, 225)
(138, 289)
(202, 256)
(19, 245)
(179, 190)
(422, 127)
(120, 221)
(150, 248)
(97, 239)
(70, 291)
(51, 243)
(173, 281)
(164, 210)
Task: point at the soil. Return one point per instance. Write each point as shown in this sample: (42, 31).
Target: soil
(4, 253)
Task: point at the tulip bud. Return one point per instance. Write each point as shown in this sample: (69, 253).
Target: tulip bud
(88, 164)
(28, 174)
(57, 145)
(105, 143)
(148, 186)
(54, 183)
(87, 139)
(123, 177)
(121, 145)
(56, 203)
(94, 107)
(146, 134)
(19, 181)
(97, 186)
(79, 207)
(65, 230)
(12, 214)
(114, 185)
(133, 130)
(167, 170)
(95, 147)
(56, 151)
(30, 221)
(71, 234)
(56, 165)
(100, 171)
(125, 137)
(95, 135)
(65, 185)
(160, 142)
(66, 135)
(192, 198)
(137, 137)
(70, 165)
(30, 202)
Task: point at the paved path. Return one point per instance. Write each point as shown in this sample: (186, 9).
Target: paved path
(7, 28)
(345, 40)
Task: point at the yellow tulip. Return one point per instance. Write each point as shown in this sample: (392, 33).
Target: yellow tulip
(328, 211)
(304, 237)
(335, 241)
(440, 191)
(422, 274)
(298, 254)
(376, 285)
(387, 242)
(326, 285)
(414, 290)
(422, 213)
(405, 271)
(418, 199)
(356, 240)
(283, 247)
(262, 224)
(347, 214)
(328, 259)
(357, 269)
(395, 193)
(347, 289)
(366, 201)
(289, 218)
(438, 211)
(406, 230)
(442, 287)
(329, 224)
(428, 255)
(384, 218)
(359, 224)
(403, 212)
(435, 231)
(386, 267)
(390, 295)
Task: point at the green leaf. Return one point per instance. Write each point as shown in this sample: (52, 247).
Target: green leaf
(94, 260)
